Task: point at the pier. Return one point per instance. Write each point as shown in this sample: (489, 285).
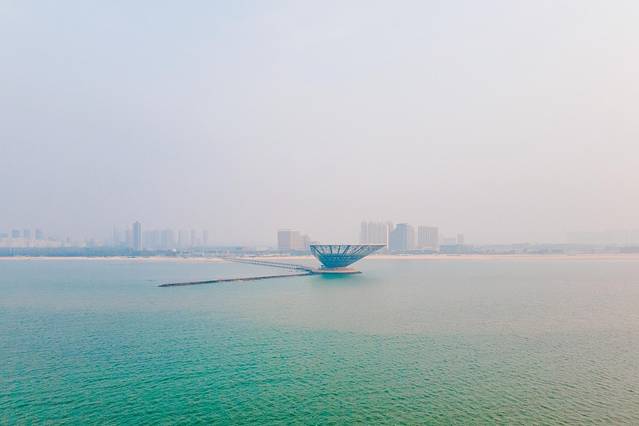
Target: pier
(282, 265)
(301, 270)
(230, 280)
(335, 259)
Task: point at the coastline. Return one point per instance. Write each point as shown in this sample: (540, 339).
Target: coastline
(409, 257)
(135, 259)
(478, 257)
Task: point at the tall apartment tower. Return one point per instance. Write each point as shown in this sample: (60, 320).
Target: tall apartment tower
(427, 237)
(136, 236)
(167, 239)
(402, 238)
(363, 233)
(374, 233)
(117, 236)
(288, 239)
(183, 239)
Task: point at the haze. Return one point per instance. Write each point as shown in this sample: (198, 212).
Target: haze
(507, 121)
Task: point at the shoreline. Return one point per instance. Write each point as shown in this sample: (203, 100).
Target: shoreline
(413, 257)
(138, 259)
(450, 257)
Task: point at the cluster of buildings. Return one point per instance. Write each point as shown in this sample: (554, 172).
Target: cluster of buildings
(400, 238)
(403, 238)
(28, 238)
(158, 239)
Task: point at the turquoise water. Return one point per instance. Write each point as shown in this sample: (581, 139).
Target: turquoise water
(449, 341)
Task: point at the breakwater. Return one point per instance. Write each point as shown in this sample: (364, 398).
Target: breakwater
(301, 270)
(229, 280)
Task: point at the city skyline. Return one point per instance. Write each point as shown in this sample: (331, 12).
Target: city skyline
(425, 236)
(319, 212)
(332, 112)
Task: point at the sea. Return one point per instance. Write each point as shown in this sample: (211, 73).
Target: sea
(521, 340)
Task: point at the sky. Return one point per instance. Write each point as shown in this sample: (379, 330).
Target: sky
(507, 121)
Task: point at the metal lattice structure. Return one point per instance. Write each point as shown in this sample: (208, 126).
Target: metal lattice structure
(340, 256)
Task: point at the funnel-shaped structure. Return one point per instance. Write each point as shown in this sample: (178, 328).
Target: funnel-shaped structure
(340, 256)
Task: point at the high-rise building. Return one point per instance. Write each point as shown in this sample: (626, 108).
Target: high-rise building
(183, 239)
(306, 242)
(117, 237)
(26, 234)
(128, 238)
(460, 239)
(39, 235)
(292, 240)
(402, 238)
(152, 239)
(427, 237)
(167, 240)
(15, 233)
(136, 236)
(374, 232)
(205, 238)
(194, 240)
(363, 233)
(287, 239)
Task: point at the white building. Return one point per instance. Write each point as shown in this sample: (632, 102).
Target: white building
(402, 238)
(374, 232)
(428, 237)
(291, 240)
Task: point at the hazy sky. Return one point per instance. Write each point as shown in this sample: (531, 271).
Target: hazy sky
(504, 120)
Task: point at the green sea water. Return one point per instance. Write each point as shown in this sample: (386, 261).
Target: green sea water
(519, 341)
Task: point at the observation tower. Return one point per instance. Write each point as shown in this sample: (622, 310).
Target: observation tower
(335, 258)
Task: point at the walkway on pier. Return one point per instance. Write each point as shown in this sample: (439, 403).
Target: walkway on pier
(300, 269)
(260, 262)
(230, 280)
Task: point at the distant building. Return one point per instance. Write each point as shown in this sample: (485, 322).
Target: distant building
(136, 236)
(290, 240)
(15, 233)
(363, 233)
(428, 237)
(183, 239)
(167, 239)
(402, 238)
(454, 245)
(448, 241)
(39, 235)
(374, 233)
(152, 239)
(117, 237)
(128, 238)
(26, 234)
(205, 238)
